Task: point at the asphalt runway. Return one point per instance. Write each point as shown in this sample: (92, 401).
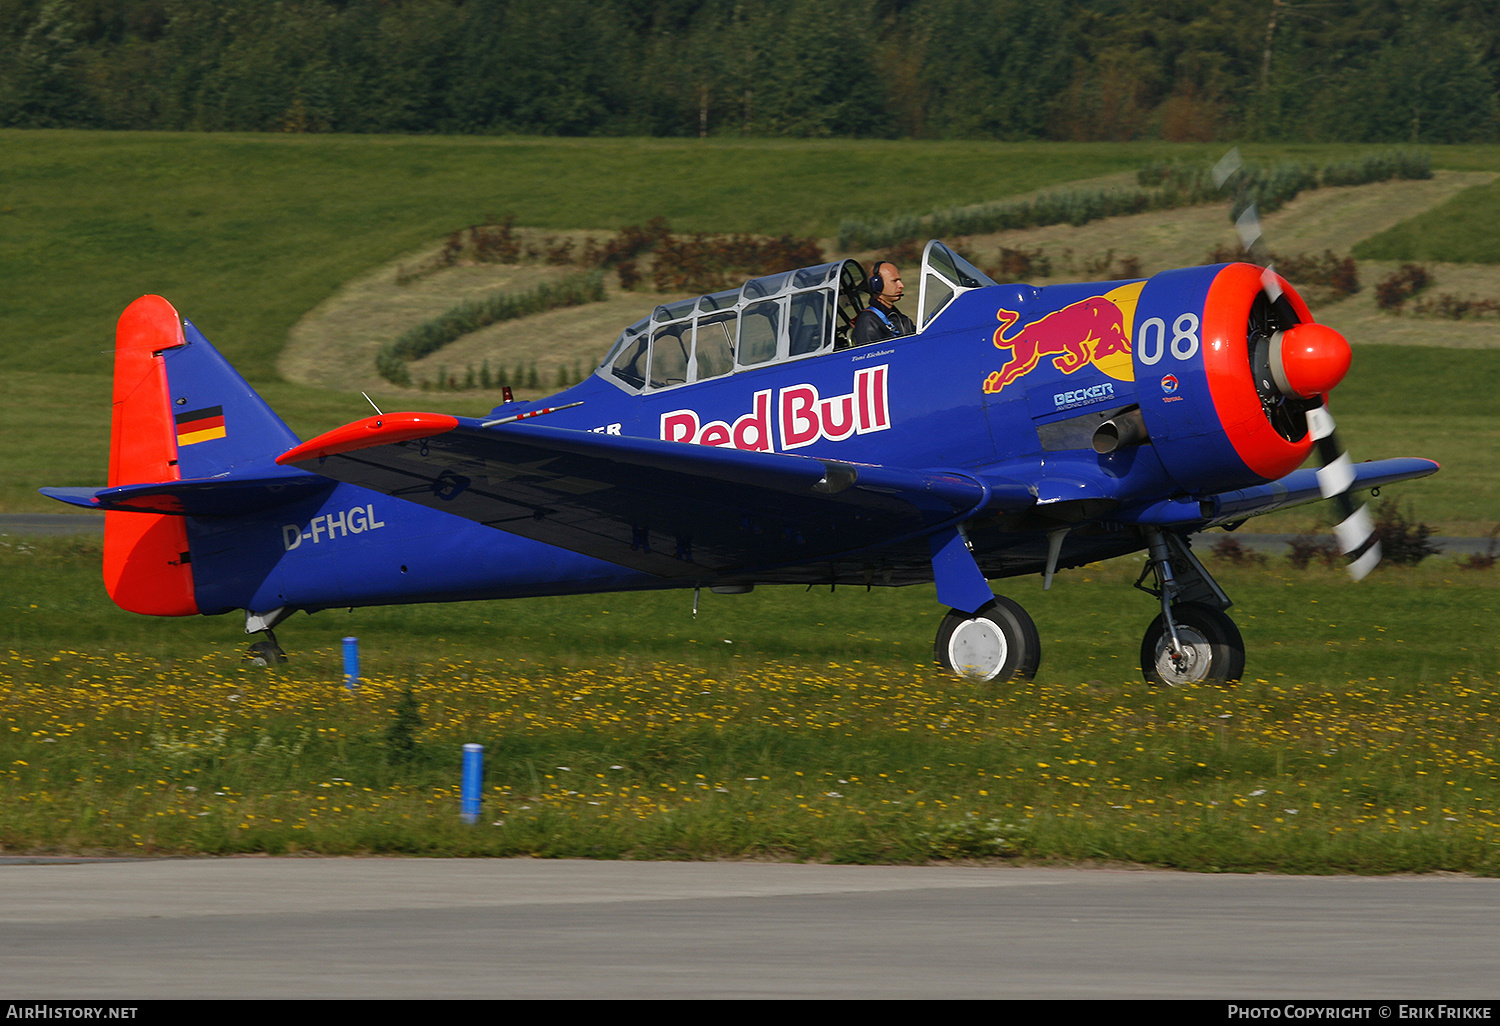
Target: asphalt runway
(522, 928)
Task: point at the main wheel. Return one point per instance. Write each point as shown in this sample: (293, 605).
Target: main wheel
(1213, 651)
(998, 643)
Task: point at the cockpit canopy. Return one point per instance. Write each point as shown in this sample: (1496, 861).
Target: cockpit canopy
(785, 316)
(945, 274)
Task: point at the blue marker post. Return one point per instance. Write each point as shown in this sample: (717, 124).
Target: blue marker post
(351, 663)
(473, 781)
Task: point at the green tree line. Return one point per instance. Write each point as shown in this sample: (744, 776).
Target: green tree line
(1423, 71)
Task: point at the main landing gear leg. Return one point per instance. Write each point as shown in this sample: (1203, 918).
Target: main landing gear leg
(998, 643)
(1191, 641)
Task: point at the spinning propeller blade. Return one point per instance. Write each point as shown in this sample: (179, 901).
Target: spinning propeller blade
(1355, 532)
(1297, 364)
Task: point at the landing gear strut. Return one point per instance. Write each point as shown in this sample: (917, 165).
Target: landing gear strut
(998, 643)
(1191, 641)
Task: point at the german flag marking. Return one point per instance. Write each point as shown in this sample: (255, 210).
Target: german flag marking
(200, 425)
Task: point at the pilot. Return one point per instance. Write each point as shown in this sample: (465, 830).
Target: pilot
(881, 320)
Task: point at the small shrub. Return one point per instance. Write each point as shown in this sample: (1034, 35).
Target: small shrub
(630, 242)
(1339, 275)
(401, 744)
(1483, 560)
(1019, 265)
(1269, 189)
(908, 252)
(1105, 269)
(493, 243)
(708, 263)
(630, 277)
(1307, 547)
(1396, 288)
(1230, 549)
(1403, 540)
(1380, 167)
(1455, 309)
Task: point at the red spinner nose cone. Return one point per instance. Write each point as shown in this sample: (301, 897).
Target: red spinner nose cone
(1313, 359)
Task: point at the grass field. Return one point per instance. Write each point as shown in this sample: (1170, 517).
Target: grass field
(247, 233)
(780, 724)
(1466, 229)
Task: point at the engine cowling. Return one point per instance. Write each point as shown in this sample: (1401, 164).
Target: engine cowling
(1227, 361)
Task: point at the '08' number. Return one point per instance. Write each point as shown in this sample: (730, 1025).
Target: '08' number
(1151, 340)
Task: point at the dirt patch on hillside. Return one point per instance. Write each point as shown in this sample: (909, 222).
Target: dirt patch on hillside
(1360, 320)
(574, 338)
(1321, 219)
(334, 345)
(1318, 219)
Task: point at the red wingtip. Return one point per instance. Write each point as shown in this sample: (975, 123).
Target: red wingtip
(383, 429)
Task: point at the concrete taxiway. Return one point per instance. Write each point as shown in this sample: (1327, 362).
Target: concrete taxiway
(447, 928)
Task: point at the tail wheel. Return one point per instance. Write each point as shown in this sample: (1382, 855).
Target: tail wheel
(266, 653)
(1212, 650)
(998, 643)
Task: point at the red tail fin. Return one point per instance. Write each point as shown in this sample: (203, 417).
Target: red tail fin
(146, 561)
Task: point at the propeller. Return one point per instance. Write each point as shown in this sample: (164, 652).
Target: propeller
(1296, 364)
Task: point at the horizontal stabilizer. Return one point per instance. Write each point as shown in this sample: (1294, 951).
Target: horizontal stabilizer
(212, 497)
(85, 497)
(668, 508)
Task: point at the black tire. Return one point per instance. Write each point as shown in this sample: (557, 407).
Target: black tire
(266, 653)
(1215, 650)
(999, 643)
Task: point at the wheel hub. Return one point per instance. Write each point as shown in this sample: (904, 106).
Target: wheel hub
(978, 649)
(1192, 665)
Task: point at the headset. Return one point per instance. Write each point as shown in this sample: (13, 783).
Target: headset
(875, 283)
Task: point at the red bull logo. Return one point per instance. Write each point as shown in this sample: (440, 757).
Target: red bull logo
(803, 416)
(1093, 331)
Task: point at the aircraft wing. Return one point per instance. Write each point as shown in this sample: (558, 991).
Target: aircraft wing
(1298, 487)
(668, 508)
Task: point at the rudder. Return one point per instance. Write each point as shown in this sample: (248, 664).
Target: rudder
(147, 565)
